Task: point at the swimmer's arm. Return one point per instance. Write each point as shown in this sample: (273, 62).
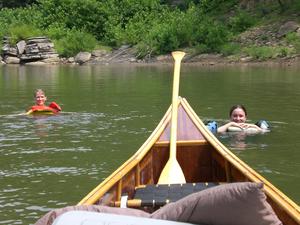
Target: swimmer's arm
(29, 111)
(250, 125)
(225, 127)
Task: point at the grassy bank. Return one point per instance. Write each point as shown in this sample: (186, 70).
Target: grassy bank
(155, 27)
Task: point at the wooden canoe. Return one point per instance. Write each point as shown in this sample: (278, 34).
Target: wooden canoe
(202, 157)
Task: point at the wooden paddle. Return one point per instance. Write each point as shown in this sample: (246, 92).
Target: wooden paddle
(172, 172)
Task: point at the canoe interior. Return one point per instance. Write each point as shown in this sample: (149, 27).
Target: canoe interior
(199, 162)
(202, 158)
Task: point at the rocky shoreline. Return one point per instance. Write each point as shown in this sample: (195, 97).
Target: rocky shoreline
(41, 51)
(125, 56)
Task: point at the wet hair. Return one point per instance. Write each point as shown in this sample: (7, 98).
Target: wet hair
(38, 91)
(237, 107)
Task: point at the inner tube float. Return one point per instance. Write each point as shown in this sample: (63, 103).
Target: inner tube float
(263, 124)
(53, 108)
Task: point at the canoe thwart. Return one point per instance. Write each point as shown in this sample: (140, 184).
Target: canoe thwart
(161, 194)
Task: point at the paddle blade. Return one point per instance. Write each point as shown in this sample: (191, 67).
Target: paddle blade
(172, 173)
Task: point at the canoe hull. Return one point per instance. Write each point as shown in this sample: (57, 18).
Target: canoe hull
(202, 159)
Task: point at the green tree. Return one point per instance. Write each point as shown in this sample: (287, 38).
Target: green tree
(121, 13)
(87, 15)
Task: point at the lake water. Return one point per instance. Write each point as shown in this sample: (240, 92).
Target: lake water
(109, 111)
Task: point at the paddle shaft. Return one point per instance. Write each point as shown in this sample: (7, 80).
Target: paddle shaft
(178, 56)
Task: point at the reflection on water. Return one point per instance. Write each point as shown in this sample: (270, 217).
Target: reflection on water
(240, 141)
(109, 111)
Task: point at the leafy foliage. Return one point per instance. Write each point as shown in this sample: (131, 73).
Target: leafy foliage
(10, 18)
(266, 52)
(230, 49)
(75, 41)
(88, 15)
(241, 22)
(18, 32)
(152, 26)
(293, 39)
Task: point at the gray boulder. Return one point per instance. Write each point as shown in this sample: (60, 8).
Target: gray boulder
(52, 59)
(11, 60)
(10, 51)
(82, 57)
(5, 47)
(290, 26)
(21, 47)
(99, 53)
(71, 60)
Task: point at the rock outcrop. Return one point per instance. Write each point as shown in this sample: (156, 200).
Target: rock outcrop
(268, 35)
(30, 50)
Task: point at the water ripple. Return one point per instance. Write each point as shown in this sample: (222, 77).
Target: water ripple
(30, 172)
